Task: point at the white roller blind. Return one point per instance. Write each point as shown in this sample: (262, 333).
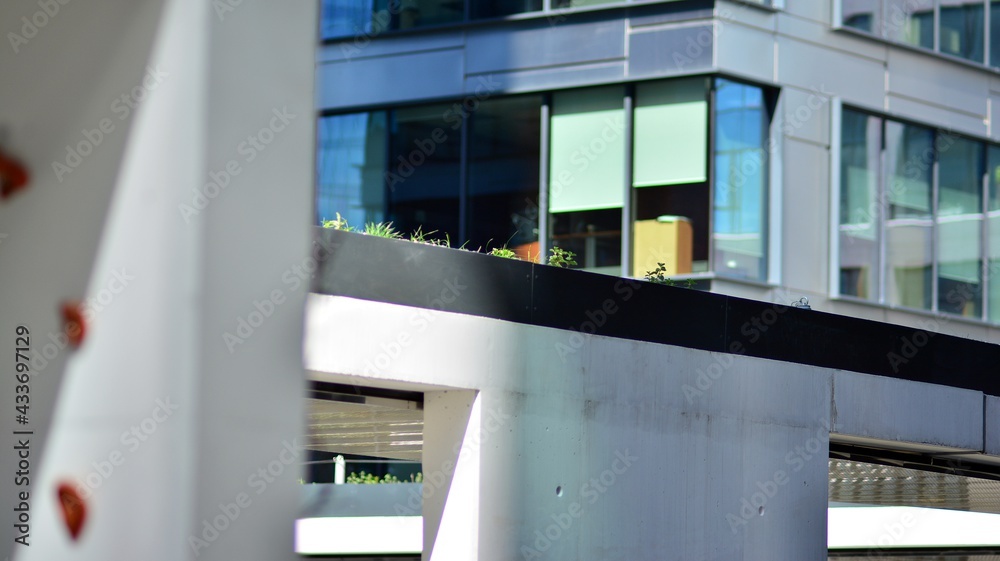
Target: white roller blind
(587, 150)
(671, 133)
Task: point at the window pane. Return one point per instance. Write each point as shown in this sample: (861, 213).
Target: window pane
(587, 151)
(350, 162)
(959, 226)
(862, 14)
(910, 21)
(671, 133)
(595, 236)
(346, 18)
(861, 139)
(993, 215)
(740, 159)
(423, 176)
(504, 144)
(909, 162)
(962, 28)
(496, 8)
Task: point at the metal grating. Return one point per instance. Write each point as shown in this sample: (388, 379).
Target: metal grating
(382, 428)
(876, 484)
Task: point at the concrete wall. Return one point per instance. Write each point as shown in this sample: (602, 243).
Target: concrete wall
(638, 450)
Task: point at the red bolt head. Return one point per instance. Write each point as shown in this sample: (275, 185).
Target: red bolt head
(13, 177)
(73, 323)
(74, 509)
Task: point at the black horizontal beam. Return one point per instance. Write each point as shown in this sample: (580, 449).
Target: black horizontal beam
(426, 276)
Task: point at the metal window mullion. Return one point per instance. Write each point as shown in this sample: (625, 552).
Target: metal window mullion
(628, 213)
(984, 244)
(543, 177)
(986, 35)
(936, 25)
(710, 163)
(463, 181)
(881, 219)
(935, 249)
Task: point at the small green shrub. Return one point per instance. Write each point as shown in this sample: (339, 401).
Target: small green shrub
(340, 223)
(362, 478)
(659, 275)
(504, 252)
(382, 230)
(561, 257)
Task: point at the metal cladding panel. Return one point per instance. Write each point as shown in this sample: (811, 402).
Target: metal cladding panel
(747, 51)
(671, 51)
(899, 410)
(940, 116)
(991, 425)
(550, 78)
(548, 42)
(390, 79)
(855, 78)
(367, 46)
(949, 85)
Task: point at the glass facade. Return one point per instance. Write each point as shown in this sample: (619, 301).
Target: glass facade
(952, 27)
(915, 230)
(469, 172)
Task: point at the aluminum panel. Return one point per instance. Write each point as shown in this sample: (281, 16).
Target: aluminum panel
(551, 78)
(365, 46)
(671, 51)
(856, 79)
(745, 50)
(539, 44)
(938, 82)
(937, 115)
(390, 79)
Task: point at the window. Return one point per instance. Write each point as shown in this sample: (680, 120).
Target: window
(952, 27)
(741, 132)
(861, 138)
(346, 18)
(586, 175)
(351, 161)
(496, 8)
(469, 172)
(910, 236)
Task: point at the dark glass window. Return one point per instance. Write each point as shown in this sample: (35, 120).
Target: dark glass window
(497, 8)
(350, 163)
(995, 33)
(504, 148)
(424, 170)
(862, 15)
(959, 226)
(594, 235)
(861, 146)
(962, 27)
(910, 21)
(345, 18)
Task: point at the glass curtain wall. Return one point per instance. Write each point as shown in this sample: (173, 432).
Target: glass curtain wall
(940, 239)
